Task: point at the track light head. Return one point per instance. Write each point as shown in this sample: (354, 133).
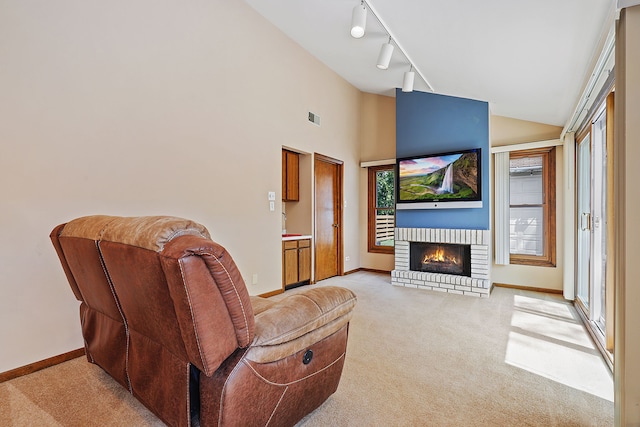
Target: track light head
(385, 55)
(407, 82)
(358, 20)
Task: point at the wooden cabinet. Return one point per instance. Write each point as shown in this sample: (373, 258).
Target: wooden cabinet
(290, 176)
(296, 263)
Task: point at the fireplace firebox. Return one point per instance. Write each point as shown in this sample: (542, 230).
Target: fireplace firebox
(444, 258)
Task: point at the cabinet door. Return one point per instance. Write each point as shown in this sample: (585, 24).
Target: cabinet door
(290, 176)
(293, 171)
(304, 260)
(284, 175)
(290, 263)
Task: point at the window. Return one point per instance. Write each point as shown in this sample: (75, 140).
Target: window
(532, 224)
(382, 212)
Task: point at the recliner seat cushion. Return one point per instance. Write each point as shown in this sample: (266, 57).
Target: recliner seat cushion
(299, 320)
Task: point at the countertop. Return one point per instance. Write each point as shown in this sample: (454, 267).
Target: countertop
(287, 237)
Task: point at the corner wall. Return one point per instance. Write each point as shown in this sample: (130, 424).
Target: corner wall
(508, 131)
(377, 142)
(150, 108)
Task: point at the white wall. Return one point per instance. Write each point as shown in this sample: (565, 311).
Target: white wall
(146, 108)
(627, 228)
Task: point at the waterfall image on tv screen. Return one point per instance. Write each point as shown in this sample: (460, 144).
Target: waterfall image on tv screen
(441, 177)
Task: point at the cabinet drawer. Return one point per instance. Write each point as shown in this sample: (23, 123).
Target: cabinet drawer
(290, 244)
(304, 243)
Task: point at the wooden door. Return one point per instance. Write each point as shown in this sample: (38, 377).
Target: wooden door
(328, 217)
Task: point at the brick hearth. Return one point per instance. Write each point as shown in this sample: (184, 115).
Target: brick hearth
(479, 284)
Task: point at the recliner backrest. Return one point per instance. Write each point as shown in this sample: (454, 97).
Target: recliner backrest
(164, 279)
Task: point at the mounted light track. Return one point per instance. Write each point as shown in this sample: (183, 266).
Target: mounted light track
(387, 50)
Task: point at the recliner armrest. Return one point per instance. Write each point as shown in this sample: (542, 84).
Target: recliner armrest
(298, 321)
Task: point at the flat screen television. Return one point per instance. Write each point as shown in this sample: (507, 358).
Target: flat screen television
(442, 180)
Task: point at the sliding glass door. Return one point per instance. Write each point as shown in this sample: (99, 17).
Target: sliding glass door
(592, 225)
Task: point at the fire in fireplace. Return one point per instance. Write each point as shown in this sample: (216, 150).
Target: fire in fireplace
(445, 258)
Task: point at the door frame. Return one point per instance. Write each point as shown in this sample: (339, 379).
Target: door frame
(338, 197)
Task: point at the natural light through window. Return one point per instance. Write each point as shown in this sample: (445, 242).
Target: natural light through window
(532, 207)
(381, 217)
(542, 330)
(526, 198)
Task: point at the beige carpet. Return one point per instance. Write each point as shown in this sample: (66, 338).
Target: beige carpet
(415, 358)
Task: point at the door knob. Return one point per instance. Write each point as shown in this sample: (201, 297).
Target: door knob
(335, 225)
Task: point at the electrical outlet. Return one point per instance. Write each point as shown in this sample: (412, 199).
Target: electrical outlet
(254, 279)
(347, 258)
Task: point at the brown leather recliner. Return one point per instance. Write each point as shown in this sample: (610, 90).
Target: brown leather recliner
(165, 312)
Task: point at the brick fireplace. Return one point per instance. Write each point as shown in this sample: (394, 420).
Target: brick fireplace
(429, 258)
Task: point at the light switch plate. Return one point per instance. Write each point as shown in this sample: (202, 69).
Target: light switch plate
(272, 195)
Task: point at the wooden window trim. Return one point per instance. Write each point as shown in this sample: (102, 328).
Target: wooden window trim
(371, 220)
(548, 258)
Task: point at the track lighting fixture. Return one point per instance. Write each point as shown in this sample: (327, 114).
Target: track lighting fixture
(385, 55)
(407, 82)
(358, 20)
(358, 24)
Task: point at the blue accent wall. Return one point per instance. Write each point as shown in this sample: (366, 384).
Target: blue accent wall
(428, 123)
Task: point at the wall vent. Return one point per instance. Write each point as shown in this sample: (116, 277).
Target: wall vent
(314, 118)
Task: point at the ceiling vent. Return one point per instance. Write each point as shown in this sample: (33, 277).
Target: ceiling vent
(314, 118)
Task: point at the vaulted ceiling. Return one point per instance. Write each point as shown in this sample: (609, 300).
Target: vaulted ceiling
(529, 59)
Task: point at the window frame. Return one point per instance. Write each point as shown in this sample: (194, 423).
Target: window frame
(548, 257)
(372, 208)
